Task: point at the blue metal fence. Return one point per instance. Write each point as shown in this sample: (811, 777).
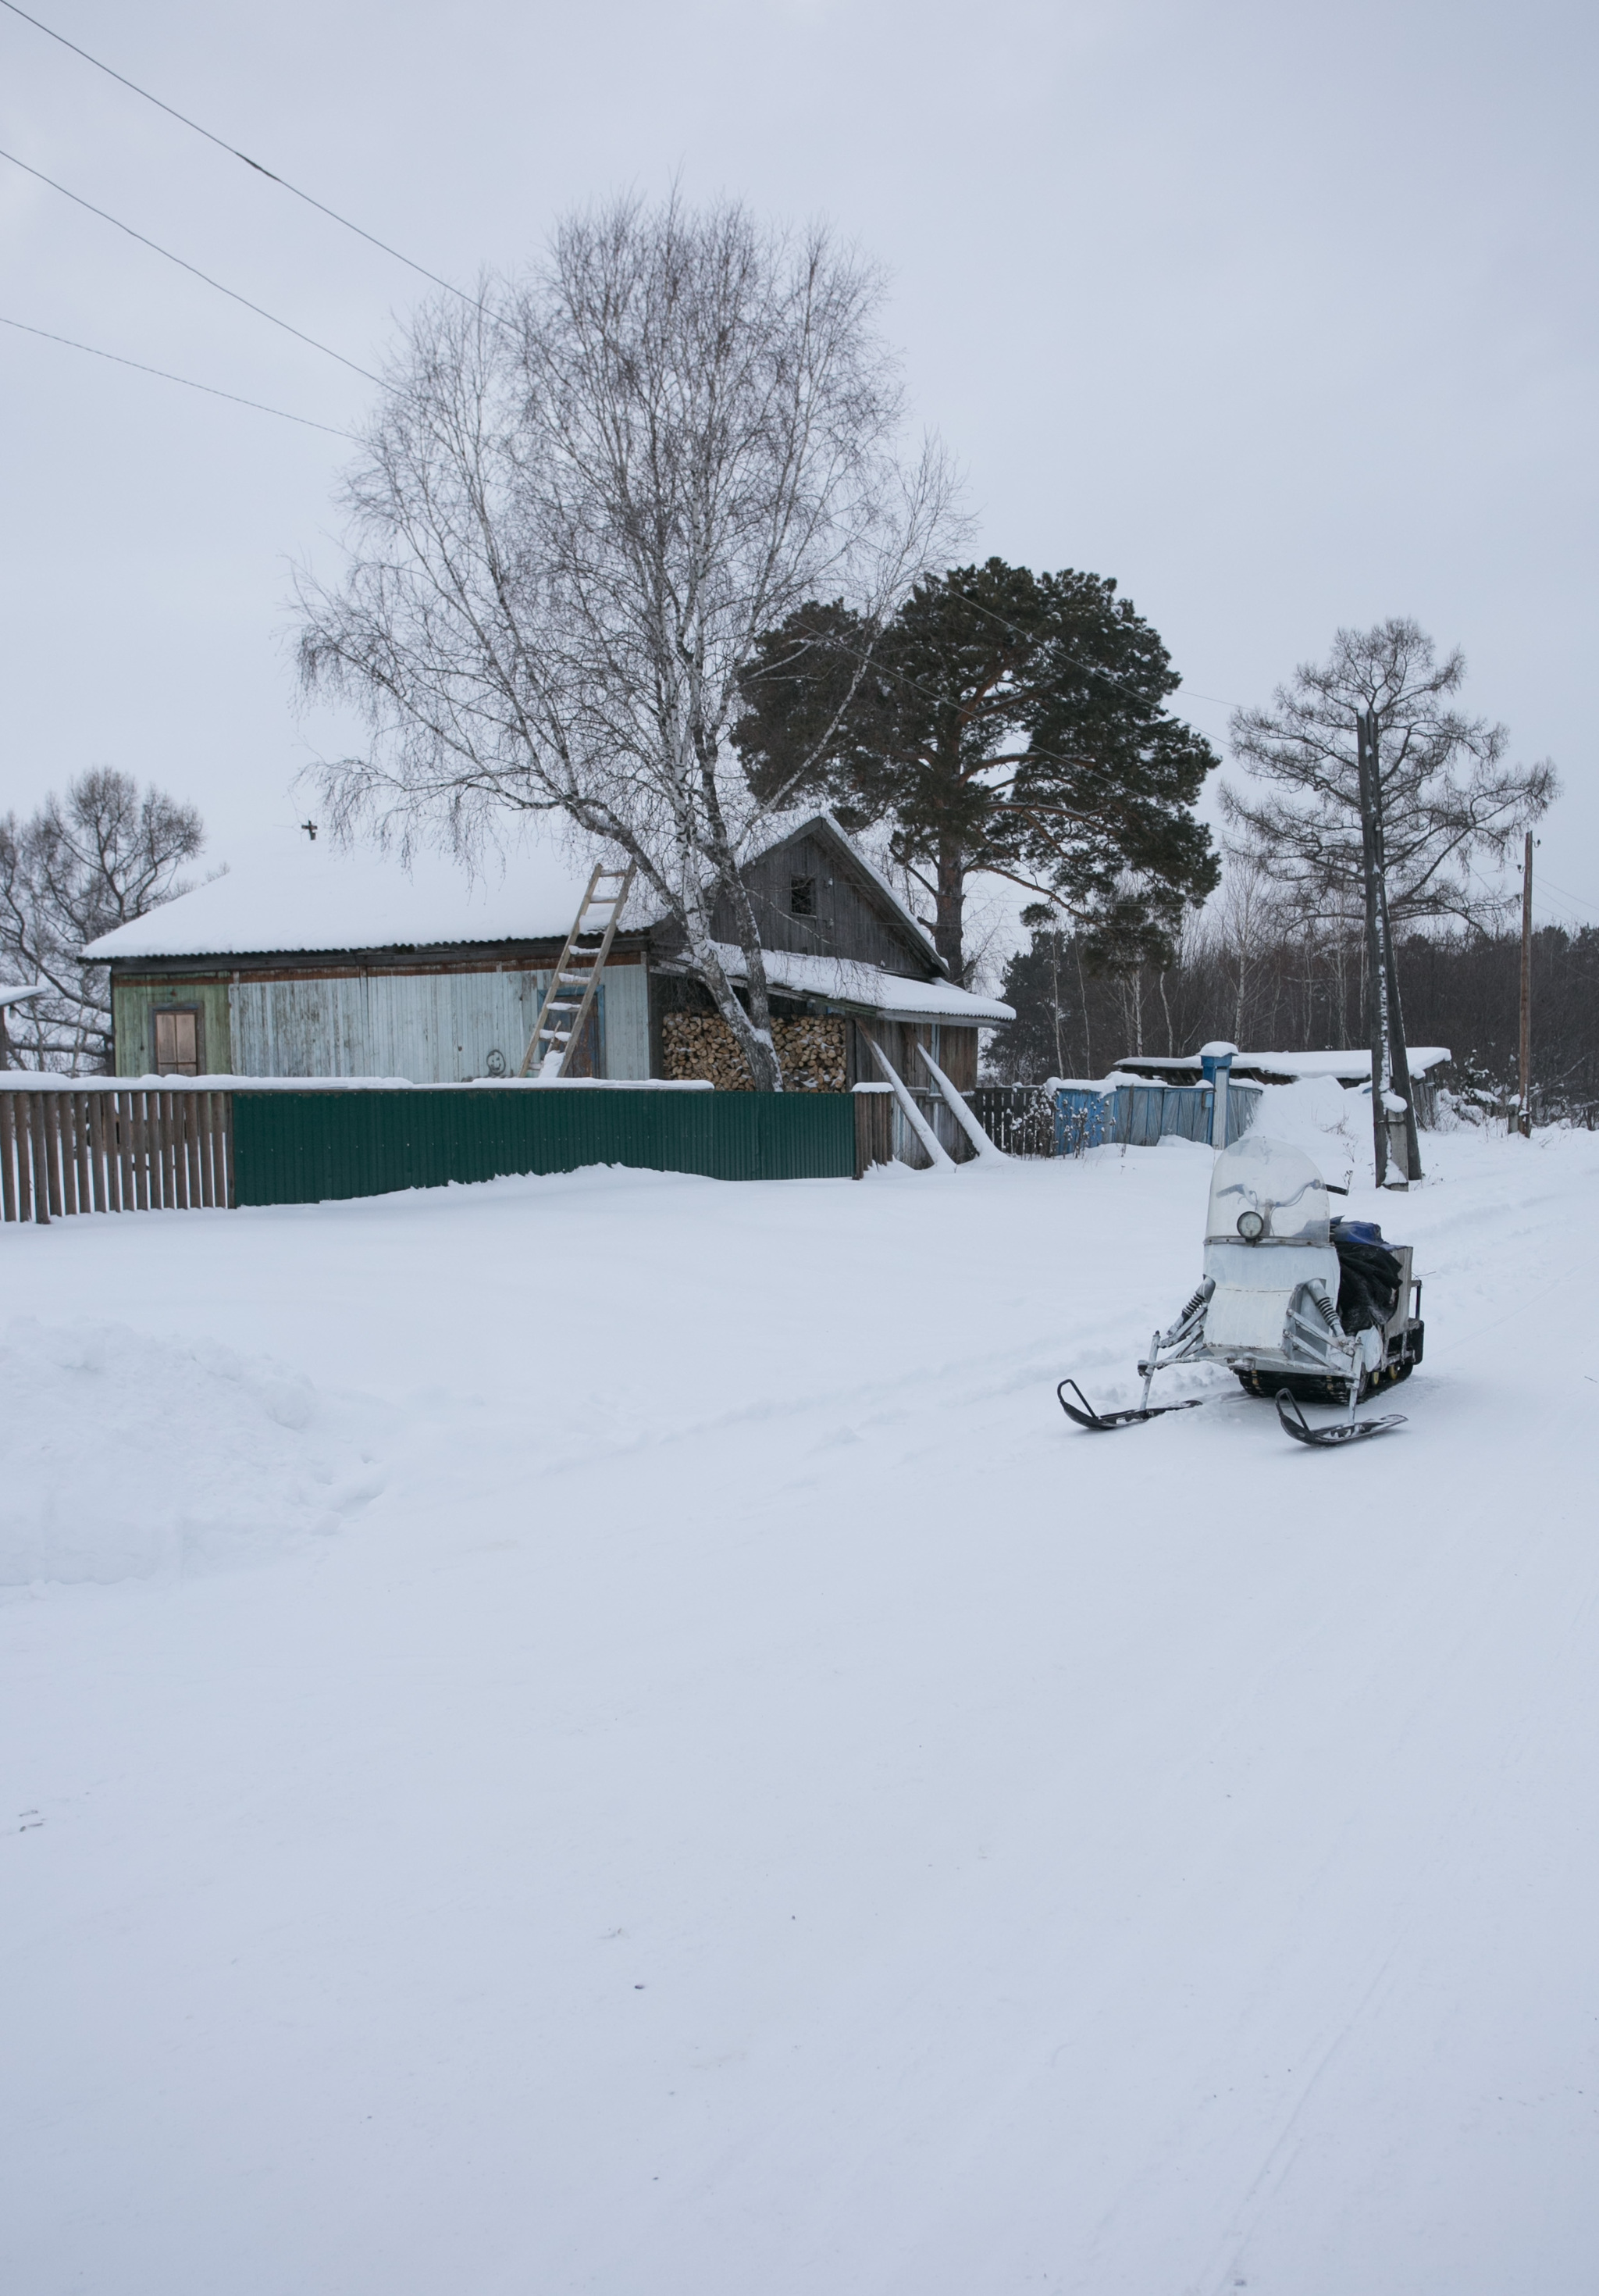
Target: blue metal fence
(1142, 1115)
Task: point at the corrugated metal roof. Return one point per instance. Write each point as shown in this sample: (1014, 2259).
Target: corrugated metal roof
(316, 895)
(303, 894)
(841, 980)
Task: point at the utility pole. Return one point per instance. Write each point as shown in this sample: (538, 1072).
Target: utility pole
(1398, 1054)
(1390, 1065)
(1376, 978)
(1524, 1116)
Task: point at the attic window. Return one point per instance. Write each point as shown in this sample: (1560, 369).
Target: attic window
(802, 897)
(177, 1040)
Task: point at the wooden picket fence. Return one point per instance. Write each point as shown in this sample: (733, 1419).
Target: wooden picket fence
(91, 1147)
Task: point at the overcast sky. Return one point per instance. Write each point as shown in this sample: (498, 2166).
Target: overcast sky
(1282, 315)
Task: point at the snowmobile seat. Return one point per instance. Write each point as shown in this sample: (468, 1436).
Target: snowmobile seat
(1372, 1277)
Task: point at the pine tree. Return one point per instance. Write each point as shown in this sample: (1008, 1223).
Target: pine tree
(1003, 722)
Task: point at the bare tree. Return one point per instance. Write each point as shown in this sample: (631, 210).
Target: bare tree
(582, 501)
(1244, 922)
(1375, 780)
(76, 869)
(1449, 800)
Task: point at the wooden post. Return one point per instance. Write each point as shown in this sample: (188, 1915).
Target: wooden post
(123, 1103)
(97, 1131)
(225, 1146)
(1523, 1123)
(1376, 978)
(139, 1136)
(39, 1138)
(8, 1151)
(80, 1143)
(1390, 1065)
(1398, 1054)
(50, 1124)
(193, 1186)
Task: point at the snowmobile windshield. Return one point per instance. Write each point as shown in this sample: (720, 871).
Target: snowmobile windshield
(1264, 1191)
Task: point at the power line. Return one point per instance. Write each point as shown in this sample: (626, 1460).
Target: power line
(230, 293)
(189, 384)
(1092, 669)
(1582, 904)
(234, 152)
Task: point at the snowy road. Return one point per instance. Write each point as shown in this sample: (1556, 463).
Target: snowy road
(799, 1817)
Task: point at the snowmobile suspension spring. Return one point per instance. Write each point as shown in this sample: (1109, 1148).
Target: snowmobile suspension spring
(1324, 1310)
(1197, 1302)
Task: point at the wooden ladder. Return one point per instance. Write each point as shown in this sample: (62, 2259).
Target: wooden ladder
(570, 994)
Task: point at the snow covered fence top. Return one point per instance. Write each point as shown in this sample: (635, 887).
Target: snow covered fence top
(39, 1080)
(71, 1145)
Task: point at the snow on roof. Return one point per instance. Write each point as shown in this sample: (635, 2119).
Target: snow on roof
(17, 996)
(1347, 1067)
(304, 894)
(317, 894)
(1110, 1083)
(841, 980)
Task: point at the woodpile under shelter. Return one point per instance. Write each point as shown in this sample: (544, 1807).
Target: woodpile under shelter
(320, 962)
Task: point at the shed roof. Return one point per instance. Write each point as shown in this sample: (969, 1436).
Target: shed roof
(1350, 1067)
(298, 894)
(301, 895)
(893, 996)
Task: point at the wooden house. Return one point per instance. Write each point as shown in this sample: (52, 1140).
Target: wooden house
(321, 963)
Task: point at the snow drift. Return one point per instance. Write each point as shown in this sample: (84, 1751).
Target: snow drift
(129, 1457)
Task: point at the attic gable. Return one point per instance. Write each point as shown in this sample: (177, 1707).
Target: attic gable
(816, 894)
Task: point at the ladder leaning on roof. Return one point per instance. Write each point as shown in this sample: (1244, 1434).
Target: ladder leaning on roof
(570, 994)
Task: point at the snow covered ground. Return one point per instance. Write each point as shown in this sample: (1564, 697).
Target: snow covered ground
(603, 1733)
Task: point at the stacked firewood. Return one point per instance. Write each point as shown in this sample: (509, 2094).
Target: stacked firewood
(702, 1045)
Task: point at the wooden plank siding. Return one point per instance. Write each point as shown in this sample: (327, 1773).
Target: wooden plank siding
(64, 1152)
(955, 1049)
(851, 916)
(432, 1017)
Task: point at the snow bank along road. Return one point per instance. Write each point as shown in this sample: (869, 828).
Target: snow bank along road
(604, 1734)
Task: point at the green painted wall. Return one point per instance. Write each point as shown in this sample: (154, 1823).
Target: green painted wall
(311, 1147)
(131, 1005)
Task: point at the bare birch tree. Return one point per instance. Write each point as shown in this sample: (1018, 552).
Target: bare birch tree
(79, 865)
(583, 499)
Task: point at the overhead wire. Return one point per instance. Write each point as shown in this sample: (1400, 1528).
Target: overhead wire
(1092, 669)
(211, 389)
(1539, 879)
(195, 126)
(184, 265)
(234, 151)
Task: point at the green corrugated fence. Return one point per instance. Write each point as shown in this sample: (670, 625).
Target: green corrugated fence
(309, 1147)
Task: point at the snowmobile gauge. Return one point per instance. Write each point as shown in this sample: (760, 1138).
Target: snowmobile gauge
(1297, 1306)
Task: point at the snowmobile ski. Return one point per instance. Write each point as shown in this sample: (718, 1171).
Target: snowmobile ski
(1099, 1423)
(1346, 1430)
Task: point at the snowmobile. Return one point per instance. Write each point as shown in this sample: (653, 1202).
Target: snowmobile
(1297, 1305)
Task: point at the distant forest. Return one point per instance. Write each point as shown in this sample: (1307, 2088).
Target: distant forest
(1290, 993)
